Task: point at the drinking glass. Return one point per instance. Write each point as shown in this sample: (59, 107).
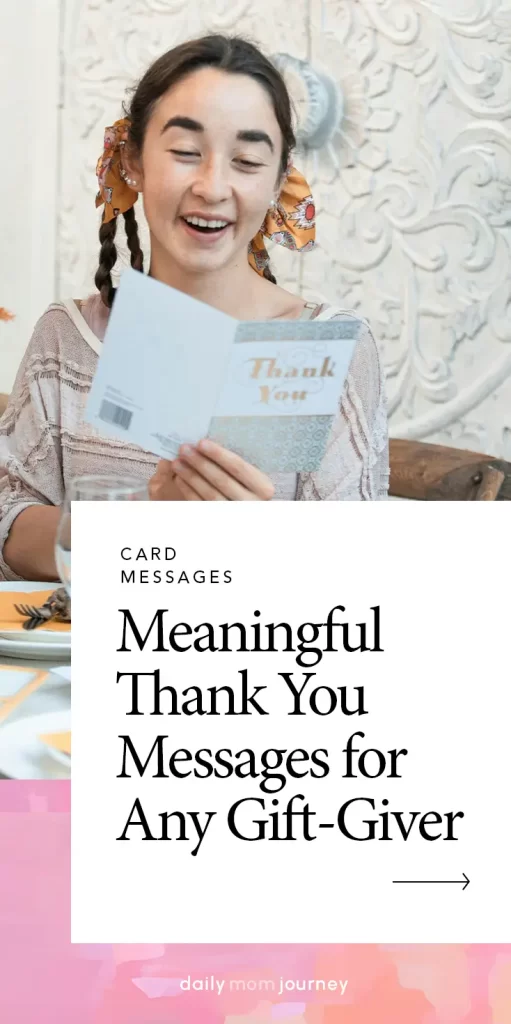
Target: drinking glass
(91, 488)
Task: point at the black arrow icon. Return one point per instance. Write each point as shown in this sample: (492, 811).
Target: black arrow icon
(435, 881)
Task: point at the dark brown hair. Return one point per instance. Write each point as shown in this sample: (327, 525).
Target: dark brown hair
(232, 54)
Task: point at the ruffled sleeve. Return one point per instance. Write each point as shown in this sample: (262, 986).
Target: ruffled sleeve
(355, 466)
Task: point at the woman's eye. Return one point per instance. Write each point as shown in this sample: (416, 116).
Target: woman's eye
(248, 163)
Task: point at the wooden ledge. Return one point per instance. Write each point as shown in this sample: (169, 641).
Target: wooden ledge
(430, 472)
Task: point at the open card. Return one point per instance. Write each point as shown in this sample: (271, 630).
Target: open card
(175, 370)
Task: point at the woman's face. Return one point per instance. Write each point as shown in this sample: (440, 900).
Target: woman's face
(210, 168)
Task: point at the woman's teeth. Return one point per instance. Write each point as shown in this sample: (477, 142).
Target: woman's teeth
(211, 225)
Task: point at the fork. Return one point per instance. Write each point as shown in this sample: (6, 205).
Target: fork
(35, 616)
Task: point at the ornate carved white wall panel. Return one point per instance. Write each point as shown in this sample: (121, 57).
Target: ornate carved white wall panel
(29, 99)
(414, 222)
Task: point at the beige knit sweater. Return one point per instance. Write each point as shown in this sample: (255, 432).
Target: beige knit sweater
(44, 441)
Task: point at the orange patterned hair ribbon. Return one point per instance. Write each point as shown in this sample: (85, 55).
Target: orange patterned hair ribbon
(114, 190)
(290, 222)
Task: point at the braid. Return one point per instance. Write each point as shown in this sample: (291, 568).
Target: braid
(269, 276)
(107, 258)
(131, 226)
(108, 254)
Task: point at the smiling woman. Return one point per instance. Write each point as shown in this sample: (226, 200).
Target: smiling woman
(207, 141)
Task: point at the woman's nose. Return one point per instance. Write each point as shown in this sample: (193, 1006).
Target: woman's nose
(212, 183)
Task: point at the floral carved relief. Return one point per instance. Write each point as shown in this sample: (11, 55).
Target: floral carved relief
(415, 231)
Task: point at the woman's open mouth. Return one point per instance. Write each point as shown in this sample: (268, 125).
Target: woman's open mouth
(205, 229)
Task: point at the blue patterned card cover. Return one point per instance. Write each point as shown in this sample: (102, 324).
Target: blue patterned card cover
(282, 390)
(175, 370)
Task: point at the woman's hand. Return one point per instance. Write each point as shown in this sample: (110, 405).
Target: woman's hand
(162, 486)
(209, 472)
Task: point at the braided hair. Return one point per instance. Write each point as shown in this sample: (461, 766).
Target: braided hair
(108, 254)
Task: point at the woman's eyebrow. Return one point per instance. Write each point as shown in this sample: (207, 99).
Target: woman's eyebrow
(254, 135)
(187, 123)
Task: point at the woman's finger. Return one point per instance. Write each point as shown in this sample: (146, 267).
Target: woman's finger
(188, 492)
(161, 481)
(249, 477)
(198, 482)
(215, 475)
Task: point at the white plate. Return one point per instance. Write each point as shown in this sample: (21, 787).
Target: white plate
(60, 675)
(13, 678)
(60, 756)
(37, 636)
(38, 644)
(23, 756)
(37, 651)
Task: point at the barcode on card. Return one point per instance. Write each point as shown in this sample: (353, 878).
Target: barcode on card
(115, 414)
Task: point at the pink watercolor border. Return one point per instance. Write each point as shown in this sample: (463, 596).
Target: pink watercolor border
(43, 978)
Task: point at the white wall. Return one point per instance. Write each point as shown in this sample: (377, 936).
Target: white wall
(29, 169)
(414, 221)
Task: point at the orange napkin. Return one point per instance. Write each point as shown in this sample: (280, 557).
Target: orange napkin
(10, 619)
(58, 740)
